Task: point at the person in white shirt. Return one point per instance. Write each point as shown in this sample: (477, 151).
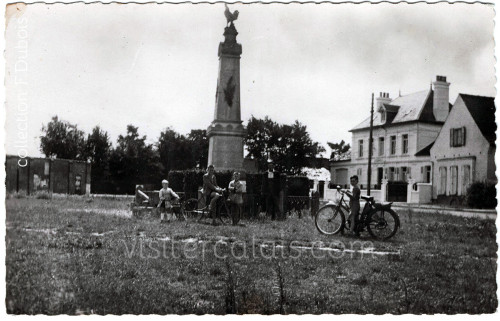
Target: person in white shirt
(165, 204)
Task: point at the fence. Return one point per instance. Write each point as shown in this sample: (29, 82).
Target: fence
(43, 174)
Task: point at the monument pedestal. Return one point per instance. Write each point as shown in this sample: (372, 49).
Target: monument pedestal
(226, 132)
(226, 145)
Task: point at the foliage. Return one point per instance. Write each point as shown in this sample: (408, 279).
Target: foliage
(297, 186)
(18, 195)
(199, 147)
(340, 151)
(289, 146)
(189, 181)
(180, 152)
(98, 150)
(134, 161)
(61, 139)
(481, 195)
(44, 195)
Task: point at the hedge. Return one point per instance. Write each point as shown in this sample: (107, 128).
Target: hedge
(481, 195)
(191, 180)
(298, 186)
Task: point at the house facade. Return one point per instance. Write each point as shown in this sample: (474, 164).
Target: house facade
(464, 151)
(404, 129)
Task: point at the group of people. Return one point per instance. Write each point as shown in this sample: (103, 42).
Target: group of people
(271, 186)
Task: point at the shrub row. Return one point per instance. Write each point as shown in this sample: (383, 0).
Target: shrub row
(190, 181)
(481, 195)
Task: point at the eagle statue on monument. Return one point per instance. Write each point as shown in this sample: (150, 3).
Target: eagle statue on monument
(230, 16)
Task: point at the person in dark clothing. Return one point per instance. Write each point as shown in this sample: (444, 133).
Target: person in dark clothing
(354, 197)
(271, 187)
(210, 188)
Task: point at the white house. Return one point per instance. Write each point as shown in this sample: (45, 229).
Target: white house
(464, 151)
(403, 130)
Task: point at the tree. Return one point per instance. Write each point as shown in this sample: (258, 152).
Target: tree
(133, 161)
(289, 146)
(340, 151)
(98, 150)
(174, 151)
(199, 147)
(62, 140)
(178, 152)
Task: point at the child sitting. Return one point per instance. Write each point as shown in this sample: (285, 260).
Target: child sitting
(165, 205)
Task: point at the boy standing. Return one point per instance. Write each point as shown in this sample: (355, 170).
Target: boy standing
(354, 203)
(165, 205)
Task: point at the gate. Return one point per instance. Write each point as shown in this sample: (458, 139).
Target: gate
(397, 191)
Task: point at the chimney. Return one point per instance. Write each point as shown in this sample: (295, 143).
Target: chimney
(382, 99)
(441, 103)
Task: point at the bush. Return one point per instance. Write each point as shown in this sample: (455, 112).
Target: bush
(176, 180)
(20, 194)
(254, 183)
(481, 195)
(43, 195)
(189, 181)
(298, 186)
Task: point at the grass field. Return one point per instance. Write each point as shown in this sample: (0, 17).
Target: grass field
(79, 256)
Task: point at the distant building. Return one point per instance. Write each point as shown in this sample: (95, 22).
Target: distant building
(464, 151)
(421, 139)
(44, 174)
(403, 130)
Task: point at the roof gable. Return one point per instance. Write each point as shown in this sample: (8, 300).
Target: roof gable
(482, 110)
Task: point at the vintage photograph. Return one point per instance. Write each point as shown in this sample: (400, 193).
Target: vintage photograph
(250, 158)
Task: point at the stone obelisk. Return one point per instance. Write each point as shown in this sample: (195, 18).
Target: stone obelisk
(226, 131)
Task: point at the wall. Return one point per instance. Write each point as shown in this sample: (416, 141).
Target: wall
(44, 174)
(476, 152)
(420, 135)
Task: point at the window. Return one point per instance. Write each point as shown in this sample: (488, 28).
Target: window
(381, 146)
(392, 174)
(465, 178)
(405, 144)
(454, 180)
(442, 180)
(360, 148)
(393, 145)
(457, 137)
(404, 172)
(359, 172)
(425, 172)
(382, 116)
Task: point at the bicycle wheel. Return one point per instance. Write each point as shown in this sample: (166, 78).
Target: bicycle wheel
(382, 225)
(330, 219)
(224, 213)
(190, 206)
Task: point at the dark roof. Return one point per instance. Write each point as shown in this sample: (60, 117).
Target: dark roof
(482, 109)
(426, 151)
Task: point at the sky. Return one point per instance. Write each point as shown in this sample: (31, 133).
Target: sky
(155, 65)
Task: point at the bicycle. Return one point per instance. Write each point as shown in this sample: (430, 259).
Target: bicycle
(199, 207)
(379, 219)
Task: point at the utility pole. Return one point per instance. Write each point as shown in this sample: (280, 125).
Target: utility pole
(370, 148)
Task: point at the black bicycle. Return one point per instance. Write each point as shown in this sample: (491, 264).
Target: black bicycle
(379, 219)
(199, 208)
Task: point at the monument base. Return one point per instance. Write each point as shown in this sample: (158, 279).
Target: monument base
(225, 153)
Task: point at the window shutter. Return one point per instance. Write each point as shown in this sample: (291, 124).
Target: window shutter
(451, 137)
(463, 136)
